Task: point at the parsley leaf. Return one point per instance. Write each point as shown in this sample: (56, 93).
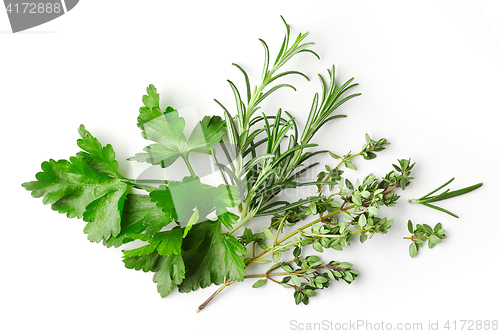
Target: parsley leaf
(165, 243)
(210, 256)
(150, 110)
(139, 215)
(145, 262)
(207, 133)
(84, 187)
(170, 272)
(167, 130)
(101, 158)
(178, 199)
(169, 269)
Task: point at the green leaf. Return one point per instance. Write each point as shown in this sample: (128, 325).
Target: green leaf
(263, 212)
(425, 200)
(151, 108)
(438, 188)
(369, 155)
(413, 249)
(348, 277)
(179, 199)
(206, 134)
(298, 297)
(151, 100)
(427, 228)
(210, 256)
(440, 209)
(169, 273)
(169, 242)
(75, 188)
(321, 279)
(317, 246)
(362, 221)
(276, 256)
(310, 292)
(286, 267)
(167, 130)
(268, 233)
(228, 219)
(363, 237)
(296, 280)
(357, 200)
(367, 138)
(345, 265)
(334, 155)
(103, 215)
(387, 224)
(410, 226)
(454, 193)
(165, 243)
(350, 165)
(142, 262)
(365, 194)
(373, 210)
(139, 215)
(101, 158)
(435, 239)
(347, 216)
(259, 283)
(194, 219)
(437, 227)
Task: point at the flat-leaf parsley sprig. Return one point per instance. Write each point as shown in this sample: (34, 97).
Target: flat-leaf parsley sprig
(192, 235)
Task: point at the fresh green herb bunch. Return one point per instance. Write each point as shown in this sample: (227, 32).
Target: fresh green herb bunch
(423, 233)
(192, 233)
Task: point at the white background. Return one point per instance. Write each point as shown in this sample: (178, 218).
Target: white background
(429, 73)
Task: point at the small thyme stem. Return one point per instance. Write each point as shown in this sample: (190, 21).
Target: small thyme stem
(340, 164)
(413, 237)
(325, 235)
(272, 279)
(279, 228)
(219, 290)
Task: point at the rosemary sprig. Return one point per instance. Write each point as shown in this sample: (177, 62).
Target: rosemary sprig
(447, 194)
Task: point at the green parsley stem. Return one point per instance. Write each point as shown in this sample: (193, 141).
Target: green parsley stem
(150, 181)
(186, 160)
